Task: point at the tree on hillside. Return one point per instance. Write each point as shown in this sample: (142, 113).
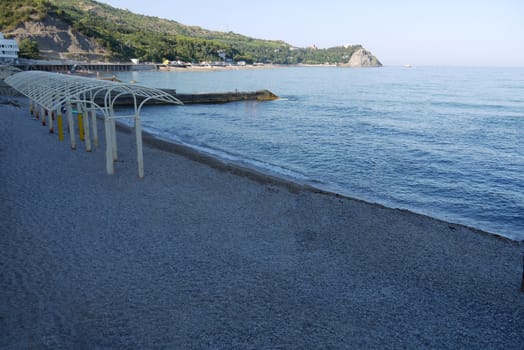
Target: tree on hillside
(29, 49)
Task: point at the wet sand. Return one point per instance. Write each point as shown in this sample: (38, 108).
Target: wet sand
(205, 255)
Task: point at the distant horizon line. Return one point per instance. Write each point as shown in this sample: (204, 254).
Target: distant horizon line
(452, 65)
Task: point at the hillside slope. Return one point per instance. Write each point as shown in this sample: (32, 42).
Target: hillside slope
(58, 40)
(86, 29)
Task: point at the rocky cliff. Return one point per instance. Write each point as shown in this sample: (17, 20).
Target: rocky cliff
(363, 58)
(57, 40)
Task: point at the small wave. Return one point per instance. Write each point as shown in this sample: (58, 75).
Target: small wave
(258, 165)
(468, 105)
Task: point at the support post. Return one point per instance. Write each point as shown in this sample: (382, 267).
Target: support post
(70, 122)
(109, 146)
(94, 126)
(42, 115)
(80, 118)
(50, 121)
(113, 139)
(87, 137)
(59, 124)
(139, 150)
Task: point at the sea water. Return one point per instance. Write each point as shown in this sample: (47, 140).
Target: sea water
(443, 141)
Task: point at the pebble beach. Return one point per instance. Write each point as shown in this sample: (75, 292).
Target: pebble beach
(201, 254)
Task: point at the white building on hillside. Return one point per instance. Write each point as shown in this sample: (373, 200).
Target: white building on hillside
(8, 50)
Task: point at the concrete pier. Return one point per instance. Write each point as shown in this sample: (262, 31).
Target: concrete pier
(208, 98)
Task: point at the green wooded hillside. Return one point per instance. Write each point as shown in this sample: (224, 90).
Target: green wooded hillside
(126, 35)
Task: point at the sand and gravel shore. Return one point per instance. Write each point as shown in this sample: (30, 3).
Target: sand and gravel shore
(202, 255)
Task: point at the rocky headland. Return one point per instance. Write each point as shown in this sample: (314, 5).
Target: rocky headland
(363, 58)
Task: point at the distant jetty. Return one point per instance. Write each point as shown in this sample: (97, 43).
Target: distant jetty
(208, 98)
(223, 97)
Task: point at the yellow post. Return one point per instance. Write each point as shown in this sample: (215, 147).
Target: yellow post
(60, 127)
(80, 126)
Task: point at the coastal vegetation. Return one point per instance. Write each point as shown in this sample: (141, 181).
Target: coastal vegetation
(122, 35)
(15, 12)
(29, 49)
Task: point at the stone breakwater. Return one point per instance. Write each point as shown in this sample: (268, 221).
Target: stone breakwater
(207, 98)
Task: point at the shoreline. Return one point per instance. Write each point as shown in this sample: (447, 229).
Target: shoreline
(201, 253)
(264, 176)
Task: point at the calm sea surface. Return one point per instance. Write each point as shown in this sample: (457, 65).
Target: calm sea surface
(446, 142)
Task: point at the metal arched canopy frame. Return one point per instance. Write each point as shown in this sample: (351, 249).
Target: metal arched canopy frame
(52, 91)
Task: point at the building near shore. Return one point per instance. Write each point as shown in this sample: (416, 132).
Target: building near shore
(8, 50)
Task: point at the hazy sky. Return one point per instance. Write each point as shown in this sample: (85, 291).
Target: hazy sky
(418, 32)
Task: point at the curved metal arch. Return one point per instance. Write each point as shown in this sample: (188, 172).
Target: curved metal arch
(91, 103)
(119, 92)
(51, 91)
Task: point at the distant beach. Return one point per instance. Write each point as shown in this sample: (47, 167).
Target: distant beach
(198, 68)
(204, 254)
(204, 68)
